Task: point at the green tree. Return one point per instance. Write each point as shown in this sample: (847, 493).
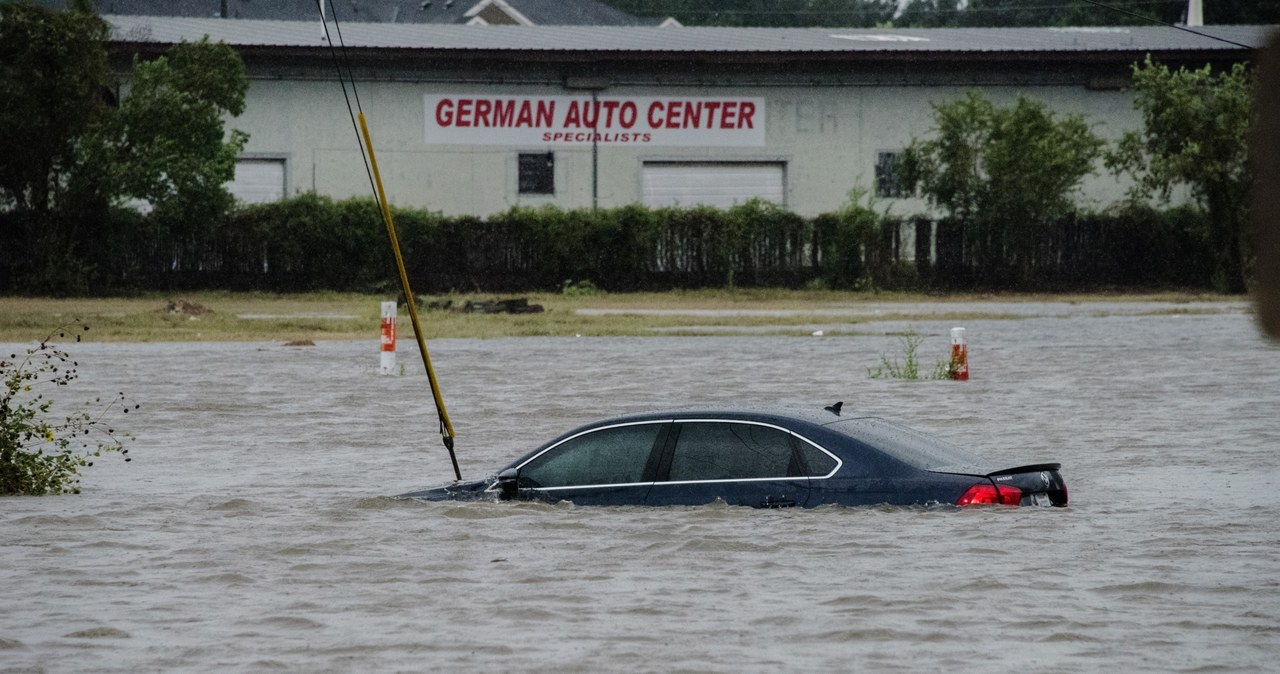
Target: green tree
(1195, 136)
(167, 145)
(67, 156)
(1005, 172)
(929, 14)
(54, 78)
(1242, 12)
(40, 454)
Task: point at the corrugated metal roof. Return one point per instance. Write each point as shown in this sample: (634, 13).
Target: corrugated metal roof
(560, 12)
(541, 12)
(435, 37)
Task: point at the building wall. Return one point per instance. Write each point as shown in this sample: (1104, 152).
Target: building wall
(827, 136)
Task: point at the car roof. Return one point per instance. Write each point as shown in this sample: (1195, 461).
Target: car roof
(766, 413)
(915, 448)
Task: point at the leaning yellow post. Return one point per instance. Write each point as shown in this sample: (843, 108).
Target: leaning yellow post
(446, 427)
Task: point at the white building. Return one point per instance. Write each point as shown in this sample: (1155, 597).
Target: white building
(476, 119)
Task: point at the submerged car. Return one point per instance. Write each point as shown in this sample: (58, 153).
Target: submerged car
(765, 458)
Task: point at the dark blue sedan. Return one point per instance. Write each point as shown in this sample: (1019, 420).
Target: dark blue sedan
(766, 458)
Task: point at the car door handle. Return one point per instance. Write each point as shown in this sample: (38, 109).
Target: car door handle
(777, 502)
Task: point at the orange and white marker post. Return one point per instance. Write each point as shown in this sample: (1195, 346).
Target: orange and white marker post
(959, 355)
(388, 337)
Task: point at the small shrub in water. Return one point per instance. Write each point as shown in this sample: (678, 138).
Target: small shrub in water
(40, 455)
(910, 367)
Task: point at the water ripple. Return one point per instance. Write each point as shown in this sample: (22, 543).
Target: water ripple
(255, 529)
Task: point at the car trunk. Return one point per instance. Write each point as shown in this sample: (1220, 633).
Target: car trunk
(1034, 484)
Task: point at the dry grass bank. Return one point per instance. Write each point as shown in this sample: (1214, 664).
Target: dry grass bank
(321, 316)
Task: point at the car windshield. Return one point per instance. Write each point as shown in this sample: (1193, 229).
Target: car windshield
(911, 447)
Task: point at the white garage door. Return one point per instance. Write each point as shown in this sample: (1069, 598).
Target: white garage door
(720, 184)
(258, 181)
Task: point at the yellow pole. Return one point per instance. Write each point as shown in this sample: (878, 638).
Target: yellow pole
(446, 427)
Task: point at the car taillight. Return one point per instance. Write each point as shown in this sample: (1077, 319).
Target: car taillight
(985, 492)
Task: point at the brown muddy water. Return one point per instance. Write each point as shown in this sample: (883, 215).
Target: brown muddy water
(254, 530)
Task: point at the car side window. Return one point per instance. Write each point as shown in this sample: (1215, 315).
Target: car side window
(607, 456)
(731, 451)
(816, 462)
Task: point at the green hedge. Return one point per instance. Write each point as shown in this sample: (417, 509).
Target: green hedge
(312, 242)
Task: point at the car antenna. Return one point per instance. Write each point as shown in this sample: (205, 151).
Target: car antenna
(834, 409)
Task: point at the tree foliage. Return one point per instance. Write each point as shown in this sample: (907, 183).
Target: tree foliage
(1195, 136)
(53, 74)
(165, 142)
(53, 79)
(166, 145)
(1005, 172)
(929, 14)
(67, 156)
(38, 453)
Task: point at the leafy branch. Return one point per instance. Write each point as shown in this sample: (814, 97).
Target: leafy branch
(38, 453)
(909, 368)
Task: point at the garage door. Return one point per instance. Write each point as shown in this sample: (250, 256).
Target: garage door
(258, 181)
(720, 184)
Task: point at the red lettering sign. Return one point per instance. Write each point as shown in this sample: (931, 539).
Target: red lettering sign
(575, 119)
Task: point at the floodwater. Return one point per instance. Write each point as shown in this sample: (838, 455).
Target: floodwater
(254, 530)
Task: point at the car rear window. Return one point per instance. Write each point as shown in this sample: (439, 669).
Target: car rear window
(818, 462)
(912, 447)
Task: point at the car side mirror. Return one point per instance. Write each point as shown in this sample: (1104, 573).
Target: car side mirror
(508, 485)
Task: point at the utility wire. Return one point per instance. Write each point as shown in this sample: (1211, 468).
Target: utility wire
(339, 59)
(346, 60)
(363, 139)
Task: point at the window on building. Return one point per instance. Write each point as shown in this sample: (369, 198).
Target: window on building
(889, 182)
(537, 173)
